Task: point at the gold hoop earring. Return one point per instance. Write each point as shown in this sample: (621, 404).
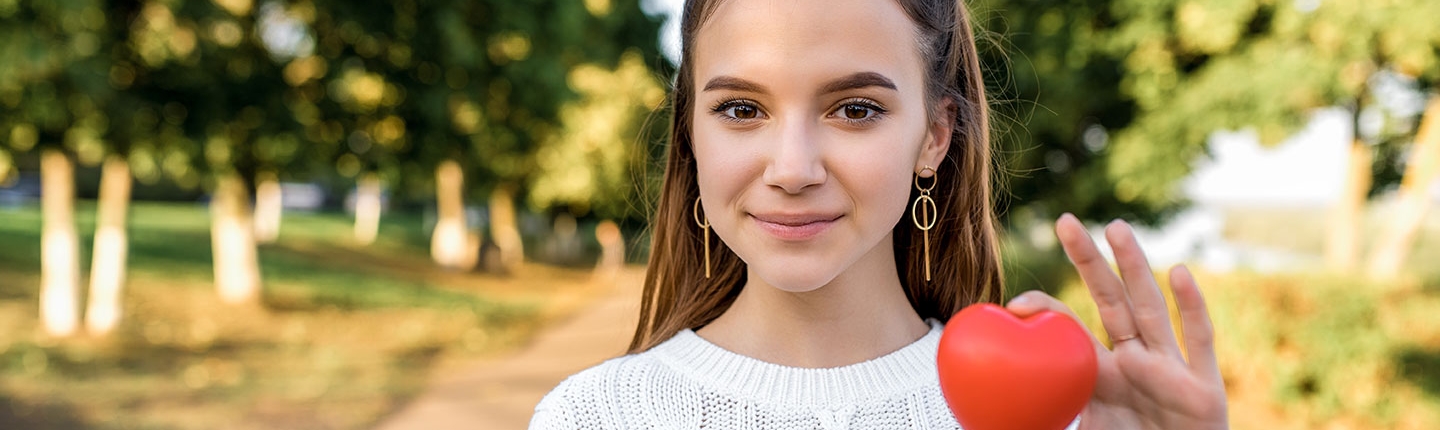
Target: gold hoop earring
(704, 224)
(920, 213)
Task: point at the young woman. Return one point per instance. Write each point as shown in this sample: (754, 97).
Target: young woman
(815, 145)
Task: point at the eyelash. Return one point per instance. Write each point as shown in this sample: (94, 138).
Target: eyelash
(725, 105)
(877, 111)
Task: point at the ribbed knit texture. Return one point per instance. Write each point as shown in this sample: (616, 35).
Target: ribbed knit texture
(688, 382)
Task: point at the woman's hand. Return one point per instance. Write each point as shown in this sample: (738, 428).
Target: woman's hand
(1144, 382)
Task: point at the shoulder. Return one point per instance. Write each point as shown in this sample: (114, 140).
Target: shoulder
(593, 397)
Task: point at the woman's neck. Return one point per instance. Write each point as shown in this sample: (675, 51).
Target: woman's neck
(860, 315)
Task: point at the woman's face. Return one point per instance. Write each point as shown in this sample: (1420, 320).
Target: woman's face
(809, 125)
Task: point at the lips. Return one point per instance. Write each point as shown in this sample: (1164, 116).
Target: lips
(794, 227)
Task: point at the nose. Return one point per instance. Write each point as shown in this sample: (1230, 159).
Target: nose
(796, 161)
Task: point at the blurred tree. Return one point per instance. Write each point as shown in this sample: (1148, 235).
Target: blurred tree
(1196, 67)
(133, 128)
(224, 85)
(357, 95)
(1422, 173)
(1126, 93)
(1055, 92)
(591, 163)
(52, 90)
(286, 30)
(481, 88)
(151, 135)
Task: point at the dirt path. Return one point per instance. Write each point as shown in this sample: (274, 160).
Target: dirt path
(501, 393)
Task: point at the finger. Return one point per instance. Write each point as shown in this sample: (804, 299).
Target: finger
(1195, 323)
(1033, 302)
(1147, 304)
(1105, 288)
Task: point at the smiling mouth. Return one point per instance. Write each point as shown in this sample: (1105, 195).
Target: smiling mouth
(795, 227)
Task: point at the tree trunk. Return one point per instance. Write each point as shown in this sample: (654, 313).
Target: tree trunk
(450, 242)
(367, 208)
(612, 252)
(1342, 245)
(1421, 173)
(237, 269)
(107, 269)
(59, 246)
(505, 230)
(268, 208)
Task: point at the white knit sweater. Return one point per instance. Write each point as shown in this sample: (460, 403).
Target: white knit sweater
(689, 383)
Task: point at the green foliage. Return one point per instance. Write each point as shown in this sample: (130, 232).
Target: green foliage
(484, 83)
(53, 88)
(595, 160)
(315, 89)
(1196, 67)
(1058, 104)
(1104, 105)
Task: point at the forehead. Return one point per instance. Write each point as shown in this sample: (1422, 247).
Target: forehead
(808, 39)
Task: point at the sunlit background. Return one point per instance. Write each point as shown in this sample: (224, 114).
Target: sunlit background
(324, 214)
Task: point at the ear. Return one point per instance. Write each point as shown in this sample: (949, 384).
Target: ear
(937, 137)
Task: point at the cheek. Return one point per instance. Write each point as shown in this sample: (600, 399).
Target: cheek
(884, 187)
(722, 166)
(879, 189)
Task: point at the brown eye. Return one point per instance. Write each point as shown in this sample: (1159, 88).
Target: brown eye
(856, 112)
(743, 112)
(738, 110)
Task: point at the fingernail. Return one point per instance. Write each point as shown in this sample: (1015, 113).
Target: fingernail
(1184, 270)
(1021, 300)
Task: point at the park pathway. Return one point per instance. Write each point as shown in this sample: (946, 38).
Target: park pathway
(501, 393)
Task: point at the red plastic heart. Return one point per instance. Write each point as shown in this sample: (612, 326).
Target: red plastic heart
(1000, 372)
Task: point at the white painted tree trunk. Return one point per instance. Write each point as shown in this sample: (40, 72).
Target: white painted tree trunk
(1347, 218)
(1421, 173)
(107, 269)
(450, 243)
(505, 229)
(612, 251)
(237, 268)
(367, 209)
(59, 246)
(268, 208)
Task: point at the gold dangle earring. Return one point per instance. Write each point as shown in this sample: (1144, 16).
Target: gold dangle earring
(704, 224)
(921, 214)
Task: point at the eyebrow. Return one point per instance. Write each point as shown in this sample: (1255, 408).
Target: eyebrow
(858, 81)
(851, 82)
(734, 84)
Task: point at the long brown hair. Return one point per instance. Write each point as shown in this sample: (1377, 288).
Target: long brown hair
(964, 250)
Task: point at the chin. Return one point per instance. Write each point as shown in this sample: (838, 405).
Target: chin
(793, 277)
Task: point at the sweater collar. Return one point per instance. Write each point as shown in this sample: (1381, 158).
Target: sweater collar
(901, 371)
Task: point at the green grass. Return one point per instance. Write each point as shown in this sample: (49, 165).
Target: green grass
(344, 334)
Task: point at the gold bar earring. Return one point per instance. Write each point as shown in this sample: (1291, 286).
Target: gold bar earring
(704, 224)
(920, 212)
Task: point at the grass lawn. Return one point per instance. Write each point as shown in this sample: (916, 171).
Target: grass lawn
(345, 333)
